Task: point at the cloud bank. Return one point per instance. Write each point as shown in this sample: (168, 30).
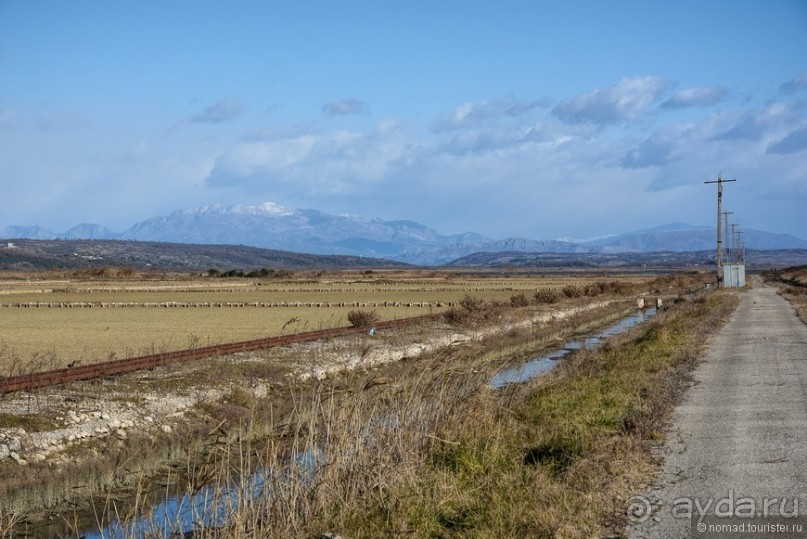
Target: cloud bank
(703, 96)
(345, 107)
(624, 101)
(221, 111)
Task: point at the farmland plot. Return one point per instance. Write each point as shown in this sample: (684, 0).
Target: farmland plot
(52, 324)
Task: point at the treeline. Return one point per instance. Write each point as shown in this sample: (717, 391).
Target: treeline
(263, 273)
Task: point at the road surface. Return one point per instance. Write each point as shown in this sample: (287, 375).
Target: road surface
(737, 448)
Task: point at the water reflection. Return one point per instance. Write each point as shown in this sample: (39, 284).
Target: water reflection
(211, 507)
(214, 506)
(545, 363)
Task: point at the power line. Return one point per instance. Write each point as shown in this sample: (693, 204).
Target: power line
(719, 181)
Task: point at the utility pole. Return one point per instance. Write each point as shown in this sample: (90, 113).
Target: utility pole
(719, 181)
(727, 237)
(735, 242)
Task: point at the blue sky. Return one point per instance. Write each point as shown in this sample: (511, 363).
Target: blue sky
(532, 119)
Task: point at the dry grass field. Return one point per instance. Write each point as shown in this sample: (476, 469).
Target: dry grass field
(52, 322)
(792, 283)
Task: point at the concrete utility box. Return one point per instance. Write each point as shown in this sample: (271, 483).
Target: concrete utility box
(734, 275)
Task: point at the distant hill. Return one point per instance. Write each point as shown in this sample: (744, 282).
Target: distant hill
(32, 232)
(680, 238)
(271, 226)
(68, 254)
(86, 231)
(696, 260)
(290, 229)
(437, 255)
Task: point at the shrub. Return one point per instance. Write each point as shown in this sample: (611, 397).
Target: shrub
(471, 304)
(362, 319)
(547, 296)
(472, 310)
(572, 291)
(519, 300)
(469, 310)
(592, 290)
(456, 316)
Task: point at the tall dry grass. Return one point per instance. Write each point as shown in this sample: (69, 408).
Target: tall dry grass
(423, 448)
(430, 450)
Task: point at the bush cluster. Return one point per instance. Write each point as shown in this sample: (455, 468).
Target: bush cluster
(519, 300)
(265, 273)
(547, 296)
(472, 309)
(104, 272)
(362, 319)
(588, 291)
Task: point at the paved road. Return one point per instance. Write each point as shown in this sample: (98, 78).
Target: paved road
(739, 439)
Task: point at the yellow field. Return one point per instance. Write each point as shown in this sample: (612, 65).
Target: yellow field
(138, 317)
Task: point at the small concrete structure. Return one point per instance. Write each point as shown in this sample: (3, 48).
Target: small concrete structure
(734, 275)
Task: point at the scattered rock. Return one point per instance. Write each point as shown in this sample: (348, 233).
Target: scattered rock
(167, 429)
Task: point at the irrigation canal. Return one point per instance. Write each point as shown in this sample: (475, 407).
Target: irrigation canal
(211, 505)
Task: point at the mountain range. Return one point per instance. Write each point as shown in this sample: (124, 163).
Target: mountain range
(272, 226)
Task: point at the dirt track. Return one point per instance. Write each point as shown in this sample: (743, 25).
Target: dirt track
(738, 443)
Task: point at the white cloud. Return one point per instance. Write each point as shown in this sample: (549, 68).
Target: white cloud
(223, 110)
(500, 166)
(796, 84)
(470, 115)
(306, 162)
(624, 101)
(494, 139)
(795, 141)
(501, 163)
(759, 124)
(656, 150)
(345, 107)
(703, 96)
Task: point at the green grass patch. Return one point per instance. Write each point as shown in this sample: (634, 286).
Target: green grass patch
(557, 461)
